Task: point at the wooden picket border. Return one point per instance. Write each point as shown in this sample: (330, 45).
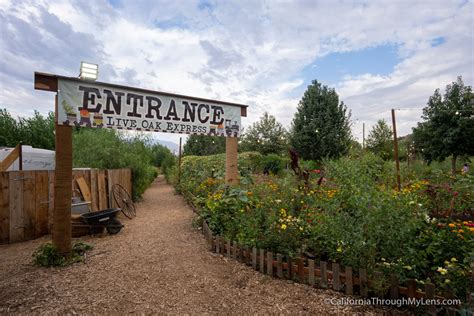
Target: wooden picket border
(26, 199)
(324, 275)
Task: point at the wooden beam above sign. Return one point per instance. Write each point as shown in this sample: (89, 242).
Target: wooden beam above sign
(49, 82)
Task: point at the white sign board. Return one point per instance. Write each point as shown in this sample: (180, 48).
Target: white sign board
(82, 103)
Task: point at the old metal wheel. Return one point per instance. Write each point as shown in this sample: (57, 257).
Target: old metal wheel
(124, 201)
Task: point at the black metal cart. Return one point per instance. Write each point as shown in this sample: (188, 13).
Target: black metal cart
(97, 221)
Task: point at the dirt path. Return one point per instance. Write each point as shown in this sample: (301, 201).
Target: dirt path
(156, 264)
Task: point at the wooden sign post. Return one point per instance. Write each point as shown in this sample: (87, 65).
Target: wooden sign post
(98, 104)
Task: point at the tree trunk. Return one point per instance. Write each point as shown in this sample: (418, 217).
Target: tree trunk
(453, 165)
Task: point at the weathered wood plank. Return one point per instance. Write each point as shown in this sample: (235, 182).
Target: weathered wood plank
(270, 263)
(111, 180)
(102, 187)
(363, 283)
(301, 276)
(10, 158)
(218, 244)
(29, 204)
(262, 260)
(348, 281)
(324, 276)
(41, 203)
(94, 191)
(4, 208)
(311, 280)
(336, 277)
(290, 268)
(411, 285)
(394, 286)
(17, 227)
(50, 200)
(84, 188)
(280, 266)
(254, 258)
(429, 294)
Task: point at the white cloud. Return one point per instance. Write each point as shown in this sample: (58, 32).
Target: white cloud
(244, 51)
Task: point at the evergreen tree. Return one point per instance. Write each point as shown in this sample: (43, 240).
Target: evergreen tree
(448, 126)
(204, 145)
(380, 141)
(266, 136)
(321, 125)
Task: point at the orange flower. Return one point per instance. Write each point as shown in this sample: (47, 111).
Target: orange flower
(451, 225)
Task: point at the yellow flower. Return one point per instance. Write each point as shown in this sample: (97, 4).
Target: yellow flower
(283, 226)
(447, 281)
(454, 260)
(407, 267)
(451, 225)
(460, 231)
(443, 271)
(339, 249)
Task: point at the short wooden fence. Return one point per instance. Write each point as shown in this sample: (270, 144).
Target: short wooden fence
(324, 275)
(26, 199)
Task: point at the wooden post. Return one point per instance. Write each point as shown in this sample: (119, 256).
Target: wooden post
(179, 161)
(395, 150)
(231, 170)
(61, 233)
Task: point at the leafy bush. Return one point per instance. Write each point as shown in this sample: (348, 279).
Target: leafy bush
(109, 149)
(47, 255)
(273, 164)
(355, 217)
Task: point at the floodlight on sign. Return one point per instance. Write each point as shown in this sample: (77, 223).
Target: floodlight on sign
(89, 71)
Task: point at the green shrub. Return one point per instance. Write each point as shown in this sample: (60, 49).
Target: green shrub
(356, 217)
(47, 255)
(273, 164)
(109, 149)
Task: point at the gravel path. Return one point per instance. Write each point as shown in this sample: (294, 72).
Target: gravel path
(156, 264)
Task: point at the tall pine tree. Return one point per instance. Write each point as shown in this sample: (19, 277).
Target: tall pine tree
(321, 126)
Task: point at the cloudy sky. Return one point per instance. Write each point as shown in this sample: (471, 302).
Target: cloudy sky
(378, 55)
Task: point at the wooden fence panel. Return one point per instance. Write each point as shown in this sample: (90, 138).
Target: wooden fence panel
(27, 199)
(29, 204)
(17, 229)
(4, 208)
(94, 190)
(50, 199)
(41, 202)
(102, 186)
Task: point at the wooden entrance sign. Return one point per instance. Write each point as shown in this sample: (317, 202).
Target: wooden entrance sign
(104, 105)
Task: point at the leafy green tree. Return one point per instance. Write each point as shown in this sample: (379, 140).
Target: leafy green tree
(9, 130)
(321, 125)
(448, 126)
(164, 158)
(380, 140)
(266, 136)
(36, 131)
(203, 145)
(104, 148)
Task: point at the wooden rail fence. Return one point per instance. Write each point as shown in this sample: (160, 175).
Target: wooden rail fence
(26, 199)
(323, 275)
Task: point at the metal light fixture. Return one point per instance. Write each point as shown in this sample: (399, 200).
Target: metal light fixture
(89, 71)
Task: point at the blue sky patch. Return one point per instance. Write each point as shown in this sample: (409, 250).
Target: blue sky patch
(437, 41)
(115, 3)
(174, 23)
(332, 68)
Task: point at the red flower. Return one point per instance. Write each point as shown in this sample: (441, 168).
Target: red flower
(455, 193)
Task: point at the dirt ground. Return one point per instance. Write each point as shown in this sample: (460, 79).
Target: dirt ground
(156, 264)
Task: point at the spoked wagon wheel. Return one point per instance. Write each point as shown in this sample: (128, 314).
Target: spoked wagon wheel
(124, 201)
